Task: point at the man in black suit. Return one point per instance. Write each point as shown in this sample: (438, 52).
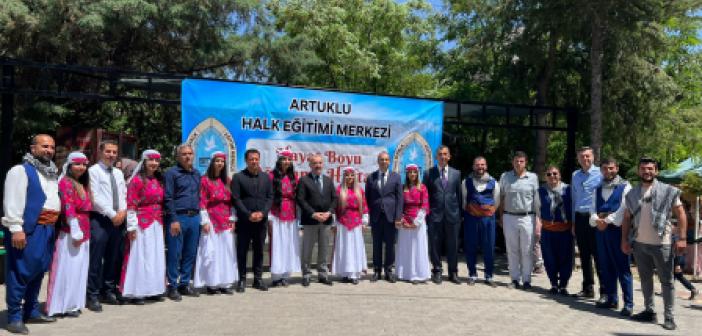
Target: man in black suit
(316, 197)
(252, 195)
(444, 220)
(384, 196)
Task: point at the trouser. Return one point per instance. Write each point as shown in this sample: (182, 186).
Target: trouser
(384, 232)
(250, 234)
(443, 235)
(614, 265)
(680, 261)
(24, 270)
(587, 247)
(479, 232)
(557, 251)
(659, 258)
(519, 238)
(106, 249)
(311, 235)
(182, 250)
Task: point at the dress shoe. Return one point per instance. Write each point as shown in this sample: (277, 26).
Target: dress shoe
(669, 324)
(211, 290)
(606, 305)
(284, 282)
(226, 291)
(305, 281)
(645, 316)
(17, 327)
(693, 294)
(491, 283)
(188, 291)
(453, 277)
(526, 286)
(390, 277)
(110, 299)
(174, 295)
(94, 305)
(553, 290)
(626, 312)
(436, 278)
(376, 276)
(260, 285)
(326, 281)
(240, 286)
(603, 300)
(277, 283)
(514, 285)
(354, 281)
(346, 280)
(41, 318)
(155, 298)
(72, 313)
(586, 293)
(563, 291)
(471, 281)
(138, 302)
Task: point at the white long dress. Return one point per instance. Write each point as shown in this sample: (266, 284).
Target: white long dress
(412, 254)
(349, 252)
(145, 270)
(69, 276)
(285, 248)
(215, 264)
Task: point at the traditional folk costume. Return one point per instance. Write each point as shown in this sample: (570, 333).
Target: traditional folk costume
(31, 205)
(614, 264)
(144, 267)
(481, 199)
(554, 206)
(412, 249)
(284, 231)
(349, 249)
(216, 263)
(68, 276)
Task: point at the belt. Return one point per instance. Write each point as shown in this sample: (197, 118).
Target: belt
(48, 217)
(188, 212)
(555, 226)
(519, 213)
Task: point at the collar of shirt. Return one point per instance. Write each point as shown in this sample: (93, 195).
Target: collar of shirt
(104, 166)
(182, 170)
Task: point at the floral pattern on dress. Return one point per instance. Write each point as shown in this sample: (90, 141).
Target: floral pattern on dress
(350, 216)
(286, 211)
(75, 206)
(415, 199)
(216, 198)
(145, 197)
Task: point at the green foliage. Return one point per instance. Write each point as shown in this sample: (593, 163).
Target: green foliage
(692, 183)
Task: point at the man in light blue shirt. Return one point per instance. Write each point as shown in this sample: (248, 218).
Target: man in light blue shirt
(583, 184)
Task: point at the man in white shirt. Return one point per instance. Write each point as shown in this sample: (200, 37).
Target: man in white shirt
(109, 193)
(31, 208)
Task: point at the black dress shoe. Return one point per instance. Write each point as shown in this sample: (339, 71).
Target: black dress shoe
(669, 324)
(526, 286)
(260, 285)
(41, 318)
(453, 277)
(17, 327)
(606, 305)
(563, 291)
(277, 283)
(174, 295)
(626, 312)
(188, 291)
(226, 290)
(436, 278)
(94, 305)
(553, 290)
(389, 277)
(211, 290)
(240, 286)
(138, 301)
(72, 313)
(586, 293)
(110, 299)
(645, 316)
(375, 277)
(326, 281)
(155, 298)
(305, 281)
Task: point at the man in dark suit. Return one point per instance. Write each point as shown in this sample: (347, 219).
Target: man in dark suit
(252, 195)
(316, 197)
(445, 195)
(384, 196)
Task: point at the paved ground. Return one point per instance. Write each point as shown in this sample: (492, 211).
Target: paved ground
(375, 309)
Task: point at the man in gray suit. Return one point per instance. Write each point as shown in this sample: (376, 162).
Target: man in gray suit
(384, 197)
(445, 195)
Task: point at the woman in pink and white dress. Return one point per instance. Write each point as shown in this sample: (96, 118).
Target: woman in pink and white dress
(69, 268)
(215, 264)
(284, 232)
(350, 260)
(412, 250)
(144, 267)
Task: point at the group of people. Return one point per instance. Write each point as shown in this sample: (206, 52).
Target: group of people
(112, 232)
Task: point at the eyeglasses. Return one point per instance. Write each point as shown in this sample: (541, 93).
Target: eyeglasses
(551, 174)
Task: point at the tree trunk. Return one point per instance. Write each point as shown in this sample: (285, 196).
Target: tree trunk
(542, 88)
(596, 57)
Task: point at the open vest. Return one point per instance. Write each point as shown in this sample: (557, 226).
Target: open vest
(480, 203)
(34, 201)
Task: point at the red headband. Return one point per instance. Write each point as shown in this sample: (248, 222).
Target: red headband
(79, 160)
(220, 155)
(153, 156)
(285, 153)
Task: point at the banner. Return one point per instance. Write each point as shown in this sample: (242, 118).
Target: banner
(347, 129)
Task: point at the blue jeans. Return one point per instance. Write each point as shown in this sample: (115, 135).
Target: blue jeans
(479, 232)
(182, 250)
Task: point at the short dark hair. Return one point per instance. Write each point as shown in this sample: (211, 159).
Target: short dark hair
(107, 142)
(479, 157)
(251, 151)
(442, 146)
(519, 154)
(647, 160)
(609, 161)
(585, 148)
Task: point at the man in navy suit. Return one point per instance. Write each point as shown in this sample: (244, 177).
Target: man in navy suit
(443, 222)
(384, 197)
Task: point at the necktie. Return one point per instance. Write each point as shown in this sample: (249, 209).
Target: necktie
(113, 183)
(444, 180)
(382, 180)
(319, 182)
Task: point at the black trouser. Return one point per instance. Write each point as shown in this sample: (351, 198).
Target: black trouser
(246, 234)
(587, 247)
(106, 251)
(383, 232)
(443, 235)
(680, 276)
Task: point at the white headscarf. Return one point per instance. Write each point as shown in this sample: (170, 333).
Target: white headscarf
(74, 157)
(147, 154)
